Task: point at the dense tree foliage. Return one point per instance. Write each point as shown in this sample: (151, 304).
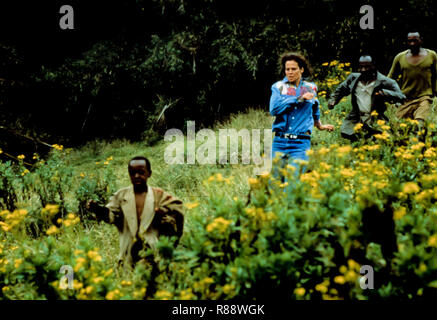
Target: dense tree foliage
(129, 63)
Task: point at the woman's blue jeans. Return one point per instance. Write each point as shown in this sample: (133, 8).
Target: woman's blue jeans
(291, 150)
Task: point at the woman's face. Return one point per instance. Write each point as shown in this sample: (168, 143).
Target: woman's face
(293, 72)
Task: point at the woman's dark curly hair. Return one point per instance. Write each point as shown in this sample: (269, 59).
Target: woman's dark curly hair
(300, 59)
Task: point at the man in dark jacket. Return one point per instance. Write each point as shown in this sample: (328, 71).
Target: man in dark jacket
(369, 91)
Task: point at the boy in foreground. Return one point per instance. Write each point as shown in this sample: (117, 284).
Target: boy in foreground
(141, 213)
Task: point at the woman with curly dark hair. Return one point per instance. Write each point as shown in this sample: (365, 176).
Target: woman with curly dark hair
(295, 105)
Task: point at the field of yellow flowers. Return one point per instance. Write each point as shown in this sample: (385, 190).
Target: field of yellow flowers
(368, 203)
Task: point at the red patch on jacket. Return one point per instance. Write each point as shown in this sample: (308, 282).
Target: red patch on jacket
(291, 91)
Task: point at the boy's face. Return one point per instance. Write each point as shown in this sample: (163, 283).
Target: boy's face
(138, 172)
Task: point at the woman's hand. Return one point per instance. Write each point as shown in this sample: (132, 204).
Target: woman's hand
(320, 126)
(328, 127)
(308, 96)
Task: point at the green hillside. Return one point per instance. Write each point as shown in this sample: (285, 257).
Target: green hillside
(370, 203)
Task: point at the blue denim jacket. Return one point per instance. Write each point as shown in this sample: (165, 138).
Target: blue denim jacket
(293, 115)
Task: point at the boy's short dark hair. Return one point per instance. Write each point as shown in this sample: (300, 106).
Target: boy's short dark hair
(148, 166)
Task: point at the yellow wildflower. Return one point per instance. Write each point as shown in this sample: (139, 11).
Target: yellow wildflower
(94, 255)
(114, 294)
(52, 230)
(324, 165)
(383, 136)
(351, 276)
(340, 280)
(322, 151)
(228, 288)
(139, 294)
(432, 241)
(424, 195)
(399, 213)
(219, 223)
(51, 209)
(164, 295)
(191, 205)
(410, 187)
(187, 294)
(77, 285)
(299, 291)
(5, 226)
(353, 265)
(343, 269)
(18, 262)
(322, 288)
(253, 182)
(89, 289)
(413, 121)
(97, 280)
(358, 126)
(125, 283)
(347, 173)
(344, 150)
(417, 146)
(108, 272)
(58, 147)
(79, 264)
(430, 153)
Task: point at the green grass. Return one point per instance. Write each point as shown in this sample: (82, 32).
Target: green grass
(182, 180)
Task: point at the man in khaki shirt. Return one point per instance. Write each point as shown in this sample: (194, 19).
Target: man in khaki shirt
(415, 69)
(140, 213)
